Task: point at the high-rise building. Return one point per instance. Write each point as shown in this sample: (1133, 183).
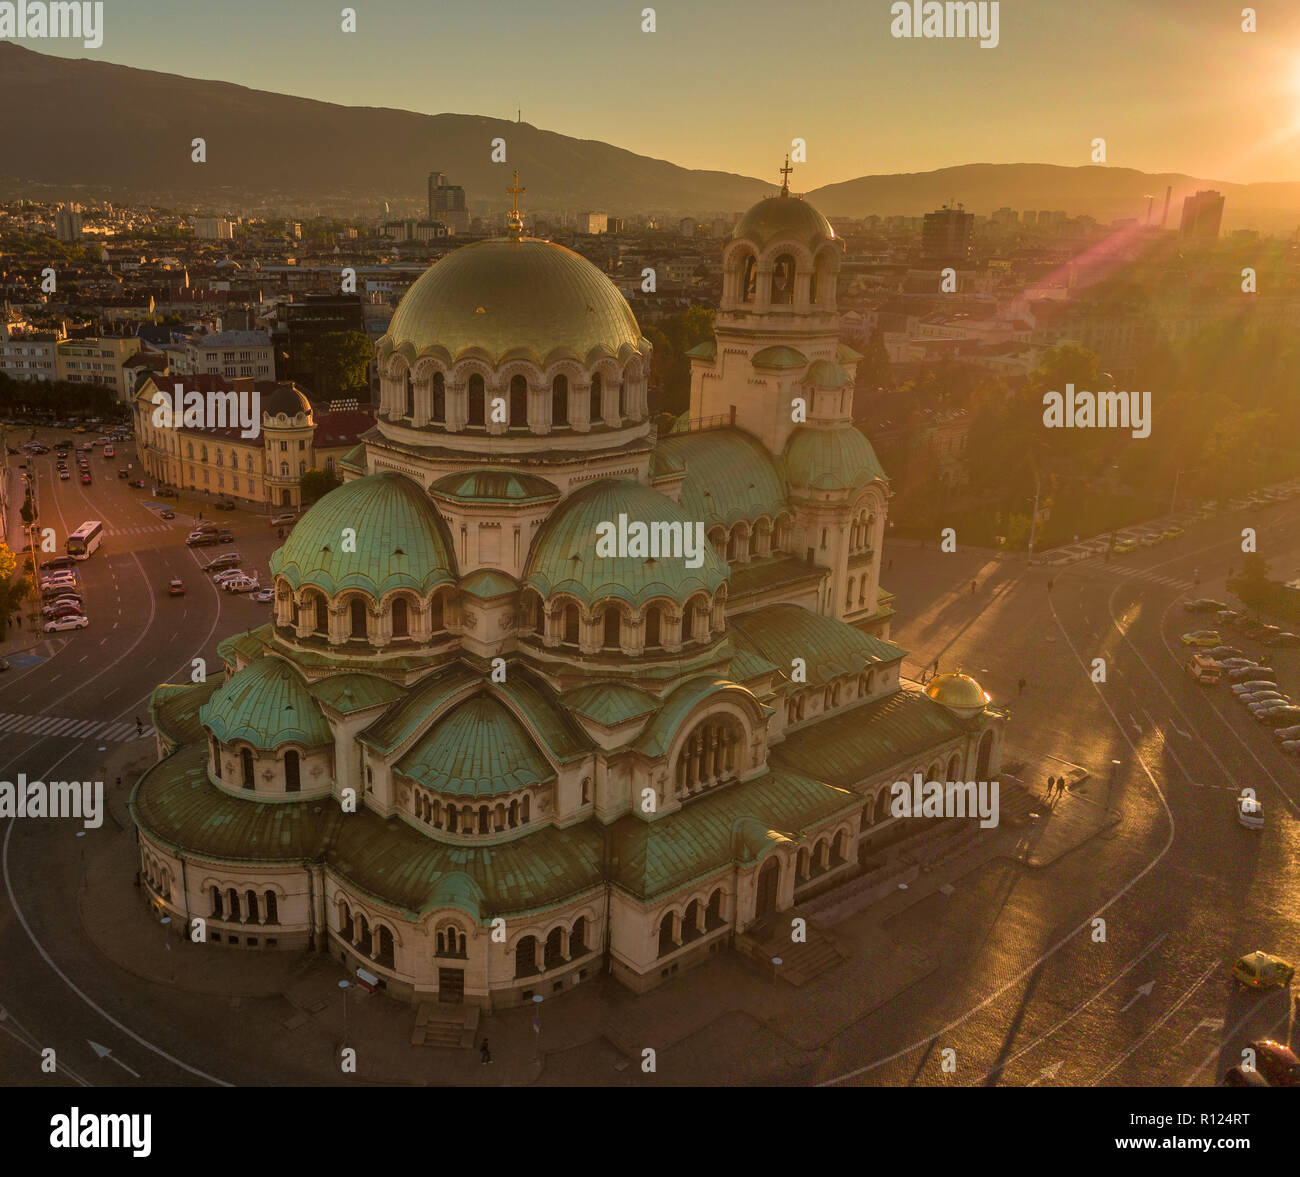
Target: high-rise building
(1202, 214)
(213, 228)
(946, 234)
(593, 224)
(447, 203)
(67, 222)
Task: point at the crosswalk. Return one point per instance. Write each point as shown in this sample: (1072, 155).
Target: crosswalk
(69, 729)
(1125, 572)
(111, 531)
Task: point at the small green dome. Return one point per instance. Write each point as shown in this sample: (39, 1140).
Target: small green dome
(729, 475)
(840, 458)
(523, 296)
(563, 557)
(787, 218)
(266, 704)
(401, 541)
(493, 486)
(479, 749)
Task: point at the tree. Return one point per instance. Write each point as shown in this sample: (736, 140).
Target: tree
(340, 361)
(12, 591)
(316, 484)
(874, 369)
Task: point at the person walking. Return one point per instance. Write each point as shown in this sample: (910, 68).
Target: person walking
(1051, 785)
(1020, 687)
(139, 727)
(485, 1055)
(972, 588)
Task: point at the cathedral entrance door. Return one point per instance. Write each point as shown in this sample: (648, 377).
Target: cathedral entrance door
(769, 879)
(451, 986)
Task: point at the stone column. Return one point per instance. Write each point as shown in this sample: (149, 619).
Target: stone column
(457, 393)
(423, 401)
(580, 406)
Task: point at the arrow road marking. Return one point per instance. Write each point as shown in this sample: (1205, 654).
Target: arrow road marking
(1142, 991)
(104, 1052)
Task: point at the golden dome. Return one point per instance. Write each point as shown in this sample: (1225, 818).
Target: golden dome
(784, 218)
(958, 691)
(516, 295)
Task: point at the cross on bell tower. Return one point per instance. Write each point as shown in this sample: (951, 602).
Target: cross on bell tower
(515, 224)
(785, 176)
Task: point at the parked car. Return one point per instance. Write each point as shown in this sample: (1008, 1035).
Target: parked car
(1200, 605)
(222, 562)
(1250, 813)
(58, 562)
(228, 574)
(1287, 733)
(1222, 652)
(1290, 747)
(225, 535)
(1255, 673)
(225, 505)
(1253, 685)
(1122, 547)
(242, 584)
(1262, 970)
(167, 514)
(1286, 639)
(121, 472)
(1201, 637)
(201, 539)
(1280, 716)
(1172, 532)
(78, 621)
(1278, 1064)
(288, 519)
(55, 610)
(263, 596)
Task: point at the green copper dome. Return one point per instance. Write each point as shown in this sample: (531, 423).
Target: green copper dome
(400, 540)
(830, 459)
(493, 486)
(784, 218)
(479, 749)
(266, 704)
(520, 296)
(563, 558)
(729, 475)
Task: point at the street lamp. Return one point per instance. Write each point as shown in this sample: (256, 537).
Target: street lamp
(167, 944)
(345, 986)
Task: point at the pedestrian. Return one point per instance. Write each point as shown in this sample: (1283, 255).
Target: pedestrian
(972, 588)
(1020, 687)
(1051, 785)
(485, 1055)
(1060, 787)
(139, 727)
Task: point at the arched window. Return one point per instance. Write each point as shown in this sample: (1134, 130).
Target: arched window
(284, 469)
(401, 627)
(410, 395)
(384, 955)
(595, 411)
(216, 757)
(578, 938)
(272, 908)
(221, 461)
(553, 952)
(518, 402)
(666, 942)
(216, 903)
(439, 398)
(484, 820)
(476, 401)
(322, 614)
(613, 629)
(453, 819)
(524, 810)
(248, 464)
(232, 897)
(357, 608)
(189, 449)
(560, 401)
(622, 398)
(653, 641)
(246, 763)
(513, 818)
(345, 922)
(713, 913)
(292, 782)
(749, 279)
(526, 957)
(783, 275)
(570, 625)
(203, 453)
(436, 622)
(251, 896)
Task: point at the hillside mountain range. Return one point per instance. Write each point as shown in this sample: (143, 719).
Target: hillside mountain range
(96, 129)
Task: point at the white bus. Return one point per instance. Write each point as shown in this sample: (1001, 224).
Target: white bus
(85, 539)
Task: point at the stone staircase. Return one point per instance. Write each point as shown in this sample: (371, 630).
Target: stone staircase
(800, 963)
(452, 1027)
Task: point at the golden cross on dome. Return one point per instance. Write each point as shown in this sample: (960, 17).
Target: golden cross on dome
(785, 176)
(515, 192)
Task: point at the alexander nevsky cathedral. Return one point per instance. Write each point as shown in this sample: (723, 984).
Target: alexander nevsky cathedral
(478, 759)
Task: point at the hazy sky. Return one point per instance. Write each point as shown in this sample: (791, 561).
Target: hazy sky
(1172, 85)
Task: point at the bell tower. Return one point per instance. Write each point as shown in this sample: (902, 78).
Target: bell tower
(777, 319)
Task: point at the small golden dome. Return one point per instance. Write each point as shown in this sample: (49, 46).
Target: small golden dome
(958, 691)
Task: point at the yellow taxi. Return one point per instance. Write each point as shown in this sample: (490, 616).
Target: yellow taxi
(1201, 637)
(1261, 970)
(1126, 545)
(1172, 532)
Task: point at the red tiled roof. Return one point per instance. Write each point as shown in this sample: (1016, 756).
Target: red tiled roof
(344, 427)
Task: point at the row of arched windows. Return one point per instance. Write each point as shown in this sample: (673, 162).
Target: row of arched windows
(358, 619)
(469, 819)
(375, 942)
(227, 906)
(712, 754)
(836, 693)
(662, 626)
(291, 762)
(677, 929)
(824, 856)
(864, 523)
(559, 947)
(477, 406)
(158, 876)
